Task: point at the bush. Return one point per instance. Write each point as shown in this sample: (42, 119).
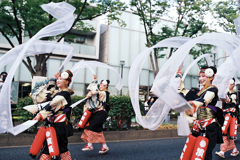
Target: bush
(120, 114)
(78, 110)
(24, 115)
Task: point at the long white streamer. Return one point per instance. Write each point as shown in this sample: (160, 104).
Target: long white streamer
(63, 24)
(78, 102)
(206, 56)
(87, 64)
(165, 85)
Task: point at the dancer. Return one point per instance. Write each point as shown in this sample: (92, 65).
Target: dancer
(229, 111)
(56, 110)
(181, 89)
(97, 104)
(208, 116)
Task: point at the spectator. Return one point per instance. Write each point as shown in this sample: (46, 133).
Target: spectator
(146, 107)
(151, 101)
(3, 77)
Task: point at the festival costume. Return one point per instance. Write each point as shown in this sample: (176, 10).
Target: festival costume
(206, 126)
(57, 111)
(99, 109)
(208, 119)
(229, 111)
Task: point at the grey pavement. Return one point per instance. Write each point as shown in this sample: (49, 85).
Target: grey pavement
(154, 149)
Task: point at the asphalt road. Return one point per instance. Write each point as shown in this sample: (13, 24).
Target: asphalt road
(158, 149)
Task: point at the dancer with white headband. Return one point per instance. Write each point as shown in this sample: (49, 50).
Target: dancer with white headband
(209, 118)
(230, 108)
(95, 114)
(53, 106)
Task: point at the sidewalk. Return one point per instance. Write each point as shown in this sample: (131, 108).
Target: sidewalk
(7, 140)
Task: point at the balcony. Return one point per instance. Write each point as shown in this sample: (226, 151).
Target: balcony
(83, 49)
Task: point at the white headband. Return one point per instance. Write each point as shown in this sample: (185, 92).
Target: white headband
(231, 81)
(209, 72)
(64, 75)
(104, 82)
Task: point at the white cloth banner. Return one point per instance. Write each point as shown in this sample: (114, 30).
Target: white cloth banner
(88, 64)
(165, 84)
(64, 13)
(78, 102)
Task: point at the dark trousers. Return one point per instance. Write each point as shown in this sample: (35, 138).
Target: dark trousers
(214, 135)
(61, 138)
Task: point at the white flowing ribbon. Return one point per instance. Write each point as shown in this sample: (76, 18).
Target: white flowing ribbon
(206, 56)
(64, 13)
(165, 84)
(88, 64)
(78, 102)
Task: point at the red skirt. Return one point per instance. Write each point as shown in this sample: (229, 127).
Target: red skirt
(93, 137)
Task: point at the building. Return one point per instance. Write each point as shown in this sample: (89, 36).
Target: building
(125, 43)
(109, 44)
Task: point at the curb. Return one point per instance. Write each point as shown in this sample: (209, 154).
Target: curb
(8, 140)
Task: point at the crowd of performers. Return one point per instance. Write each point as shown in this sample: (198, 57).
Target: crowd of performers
(53, 107)
(212, 125)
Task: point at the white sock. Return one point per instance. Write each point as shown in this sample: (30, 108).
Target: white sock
(105, 145)
(234, 149)
(90, 144)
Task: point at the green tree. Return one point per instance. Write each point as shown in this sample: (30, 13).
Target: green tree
(24, 18)
(149, 12)
(190, 23)
(225, 12)
(189, 17)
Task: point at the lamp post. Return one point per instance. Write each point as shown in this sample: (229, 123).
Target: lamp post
(122, 63)
(214, 52)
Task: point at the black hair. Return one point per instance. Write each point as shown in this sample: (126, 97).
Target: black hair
(4, 73)
(214, 69)
(108, 82)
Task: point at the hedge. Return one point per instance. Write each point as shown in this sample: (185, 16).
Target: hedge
(119, 118)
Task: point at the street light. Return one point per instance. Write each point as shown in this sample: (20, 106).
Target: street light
(122, 63)
(214, 52)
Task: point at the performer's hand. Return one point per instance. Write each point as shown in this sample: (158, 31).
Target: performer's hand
(190, 111)
(56, 75)
(37, 117)
(89, 94)
(95, 77)
(228, 100)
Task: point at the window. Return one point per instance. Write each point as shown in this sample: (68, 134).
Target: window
(80, 39)
(24, 89)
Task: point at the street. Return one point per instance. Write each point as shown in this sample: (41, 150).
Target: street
(159, 149)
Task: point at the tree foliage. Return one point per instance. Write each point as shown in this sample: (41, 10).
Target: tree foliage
(24, 18)
(188, 16)
(225, 13)
(149, 12)
(190, 22)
